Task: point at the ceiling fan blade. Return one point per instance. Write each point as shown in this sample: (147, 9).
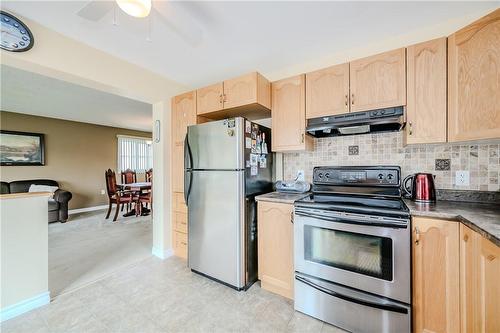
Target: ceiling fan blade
(182, 26)
(95, 10)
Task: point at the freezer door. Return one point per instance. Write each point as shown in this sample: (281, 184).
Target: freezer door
(216, 220)
(216, 145)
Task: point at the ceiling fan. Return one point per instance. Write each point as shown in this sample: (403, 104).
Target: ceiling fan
(177, 21)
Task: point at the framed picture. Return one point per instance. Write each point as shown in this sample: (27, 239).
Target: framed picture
(21, 148)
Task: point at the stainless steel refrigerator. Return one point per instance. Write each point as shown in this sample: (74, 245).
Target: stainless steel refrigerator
(227, 163)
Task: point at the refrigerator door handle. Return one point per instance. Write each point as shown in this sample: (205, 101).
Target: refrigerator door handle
(188, 176)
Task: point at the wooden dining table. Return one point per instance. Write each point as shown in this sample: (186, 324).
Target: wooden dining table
(136, 187)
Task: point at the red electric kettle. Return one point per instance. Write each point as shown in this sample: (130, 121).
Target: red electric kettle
(422, 187)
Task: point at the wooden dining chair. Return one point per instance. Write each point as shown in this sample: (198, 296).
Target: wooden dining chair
(128, 176)
(116, 196)
(144, 198)
(149, 175)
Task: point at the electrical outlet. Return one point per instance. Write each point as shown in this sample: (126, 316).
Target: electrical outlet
(103, 192)
(300, 175)
(462, 178)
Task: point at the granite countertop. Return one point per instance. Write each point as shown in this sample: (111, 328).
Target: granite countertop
(481, 217)
(288, 198)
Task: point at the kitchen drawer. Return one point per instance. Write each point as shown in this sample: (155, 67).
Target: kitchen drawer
(180, 244)
(180, 222)
(178, 203)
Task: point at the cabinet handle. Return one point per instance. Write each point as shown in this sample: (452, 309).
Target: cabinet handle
(220, 98)
(466, 238)
(491, 257)
(302, 139)
(291, 216)
(346, 100)
(225, 98)
(410, 128)
(183, 243)
(417, 235)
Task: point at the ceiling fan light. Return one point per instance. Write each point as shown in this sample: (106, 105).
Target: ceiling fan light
(136, 8)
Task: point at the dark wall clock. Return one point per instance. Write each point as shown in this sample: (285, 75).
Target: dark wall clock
(16, 36)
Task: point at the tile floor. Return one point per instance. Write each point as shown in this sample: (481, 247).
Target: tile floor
(88, 246)
(164, 296)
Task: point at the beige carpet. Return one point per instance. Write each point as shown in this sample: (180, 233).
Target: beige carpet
(88, 247)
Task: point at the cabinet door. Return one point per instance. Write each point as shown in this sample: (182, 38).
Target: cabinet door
(479, 287)
(435, 275)
(327, 91)
(275, 247)
(378, 81)
(288, 115)
(209, 99)
(183, 115)
(488, 289)
(426, 80)
(240, 91)
(474, 81)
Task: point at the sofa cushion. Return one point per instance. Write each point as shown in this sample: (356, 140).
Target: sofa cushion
(42, 188)
(53, 205)
(21, 186)
(4, 188)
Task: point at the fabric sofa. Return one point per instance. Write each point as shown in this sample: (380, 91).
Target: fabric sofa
(58, 206)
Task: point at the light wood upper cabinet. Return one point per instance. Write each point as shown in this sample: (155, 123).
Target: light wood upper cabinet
(183, 115)
(474, 81)
(289, 115)
(327, 91)
(435, 248)
(479, 287)
(209, 99)
(247, 89)
(275, 247)
(426, 83)
(378, 81)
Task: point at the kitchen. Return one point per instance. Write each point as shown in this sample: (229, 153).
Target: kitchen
(401, 223)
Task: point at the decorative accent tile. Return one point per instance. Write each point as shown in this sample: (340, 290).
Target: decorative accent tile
(482, 160)
(442, 164)
(353, 150)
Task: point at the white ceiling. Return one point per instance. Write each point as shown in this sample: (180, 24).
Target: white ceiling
(225, 39)
(30, 93)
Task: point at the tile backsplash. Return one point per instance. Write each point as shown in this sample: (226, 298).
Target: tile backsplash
(443, 160)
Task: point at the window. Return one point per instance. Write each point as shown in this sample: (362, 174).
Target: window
(134, 153)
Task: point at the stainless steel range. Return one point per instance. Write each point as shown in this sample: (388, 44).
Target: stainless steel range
(352, 250)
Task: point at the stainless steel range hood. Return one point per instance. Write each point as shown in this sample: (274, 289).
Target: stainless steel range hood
(383, 120)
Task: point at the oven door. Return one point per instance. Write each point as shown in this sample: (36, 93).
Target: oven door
(369, 253)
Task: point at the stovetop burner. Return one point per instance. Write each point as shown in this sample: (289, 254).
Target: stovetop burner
(367, 190)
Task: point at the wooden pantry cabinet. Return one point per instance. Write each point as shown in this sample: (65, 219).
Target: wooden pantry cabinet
(327, 91)
(275, 247)
(479, 287)
(435, 251)
(289, 115)
(455, 278)
(474, 80)
(378, 81)
(248, 95)
(183, 115)
(426, 88)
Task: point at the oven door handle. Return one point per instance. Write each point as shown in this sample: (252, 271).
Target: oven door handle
(382, 306)
(402, 224)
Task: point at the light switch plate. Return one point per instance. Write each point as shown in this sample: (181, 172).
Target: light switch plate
(103, 192)
(462, 178)
(300, 175)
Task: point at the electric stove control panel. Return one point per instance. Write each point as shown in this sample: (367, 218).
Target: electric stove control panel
(361, 176)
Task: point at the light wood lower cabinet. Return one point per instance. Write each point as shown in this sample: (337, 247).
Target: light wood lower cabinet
(179, 225)
(435, 248)
(479, 286)
(275, 247)
(455, 278)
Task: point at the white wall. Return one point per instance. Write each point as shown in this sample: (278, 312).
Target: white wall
(24, 251)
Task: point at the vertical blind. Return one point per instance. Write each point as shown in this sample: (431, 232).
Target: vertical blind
(134, 153)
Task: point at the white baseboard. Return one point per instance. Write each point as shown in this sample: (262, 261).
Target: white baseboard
(17, 309)
(87, 209)
(162, 254)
